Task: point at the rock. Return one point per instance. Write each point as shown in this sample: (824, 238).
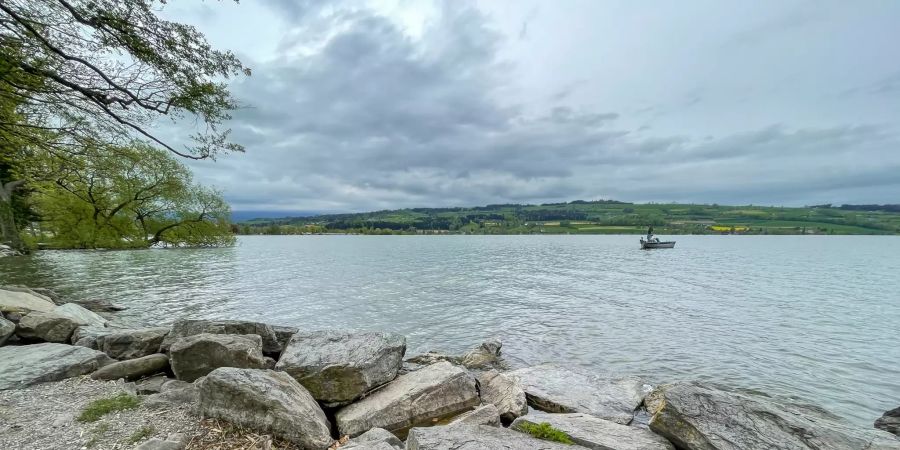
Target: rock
(50, 294)
(558, 389)
(184, 328)
(133, 343)
(187, 395)
(7, 329)
(152, 385)
(433, 392)
(592, 432)
(484, 356)
(46, 326)
(87, 336)
(890, 421)
(80, 315)
(431, 357)
(338, 367)
(374, 439)
(283, 335)
(697, 416)
(265, 400)
(482, 415)
(171, 384)
(175, 441)
(23, 300)
(504, 392)
(100, 305)
(13, 317)
(477, 437)
(195, 356)
(133, 369)
(25, 365)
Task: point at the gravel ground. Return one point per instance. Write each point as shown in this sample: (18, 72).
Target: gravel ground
(42, 417)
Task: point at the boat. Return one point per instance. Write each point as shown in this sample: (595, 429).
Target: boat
(654, 242)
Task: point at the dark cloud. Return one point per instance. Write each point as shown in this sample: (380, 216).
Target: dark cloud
(355, 114)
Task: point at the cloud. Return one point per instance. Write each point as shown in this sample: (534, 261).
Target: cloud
(355, 113)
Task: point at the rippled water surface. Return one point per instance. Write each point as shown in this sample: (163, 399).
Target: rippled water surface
(813, 318)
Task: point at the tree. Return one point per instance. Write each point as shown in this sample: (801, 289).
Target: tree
(129, 197)
(75, 73)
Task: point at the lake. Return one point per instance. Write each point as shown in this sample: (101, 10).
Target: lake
(812, 318)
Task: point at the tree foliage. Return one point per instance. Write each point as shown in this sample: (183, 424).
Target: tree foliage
(128, 197)
(110, 69)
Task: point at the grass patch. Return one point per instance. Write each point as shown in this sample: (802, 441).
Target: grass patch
(99, 408)
(545, 431)
(141, 434)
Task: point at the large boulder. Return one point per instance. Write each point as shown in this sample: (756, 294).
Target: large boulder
(484, 356)
(374, 439)
(80, 315)
(133, 369)
(268, 401)
(433, 392)
(23, 300)
(87, 336)
(890, 421)
(557, 389)
(190, 327)
(283, 335)
(25, 365)
(592, 432)
(7, 329)
(477, 438)
(46, 326)
(195, 356)
(338, 367)
(482, 415)
(133, 343)
(504, 392)
(697, 416)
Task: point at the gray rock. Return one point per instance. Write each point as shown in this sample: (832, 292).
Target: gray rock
(132, 343)
(268, 401)
(25, 365)
(7, 329)
(338, 367)
(482, 415)
(184, 328)
(49, 294)
(890, 421)
(133, 369)
(484, 356)
(46, 326)
(437, 391)
(80, 315)
(23, 300)
(283, 335)
(152, 385)
(374, 439)
(504, 392)
(431, 357)
(87, 336)
(175, 384)
(592, 432)
(188, 395)
(100, 305)
(558, 389)
(478, 437)
(195, 356)
(697, 416)
(175, 441)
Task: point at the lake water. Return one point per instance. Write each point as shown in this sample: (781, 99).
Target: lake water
(813, 318)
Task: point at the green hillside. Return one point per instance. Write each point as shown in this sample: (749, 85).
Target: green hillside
(596, 217)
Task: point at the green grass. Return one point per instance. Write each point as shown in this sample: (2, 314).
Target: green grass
(99, 408)
(545, 431)
(141, 434)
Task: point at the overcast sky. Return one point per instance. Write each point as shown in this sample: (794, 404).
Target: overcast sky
(359, 106)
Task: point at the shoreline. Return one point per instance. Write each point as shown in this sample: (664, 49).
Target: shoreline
(349, 386)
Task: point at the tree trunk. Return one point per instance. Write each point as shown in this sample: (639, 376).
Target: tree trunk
(9, 234)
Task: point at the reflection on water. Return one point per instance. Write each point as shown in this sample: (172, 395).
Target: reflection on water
(814, 318)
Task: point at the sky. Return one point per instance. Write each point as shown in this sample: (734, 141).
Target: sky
(382, 104)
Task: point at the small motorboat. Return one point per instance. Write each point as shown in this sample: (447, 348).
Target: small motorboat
(654, 242)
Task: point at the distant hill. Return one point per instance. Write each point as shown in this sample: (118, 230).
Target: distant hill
(594, 217)
(241, 216)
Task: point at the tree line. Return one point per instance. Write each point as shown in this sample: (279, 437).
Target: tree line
(84, 85)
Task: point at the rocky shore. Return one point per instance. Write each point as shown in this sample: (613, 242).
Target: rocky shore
(229, 384)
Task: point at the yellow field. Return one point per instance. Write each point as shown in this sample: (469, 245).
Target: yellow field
(728, 228)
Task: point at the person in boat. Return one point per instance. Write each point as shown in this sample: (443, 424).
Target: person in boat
(650, 233)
